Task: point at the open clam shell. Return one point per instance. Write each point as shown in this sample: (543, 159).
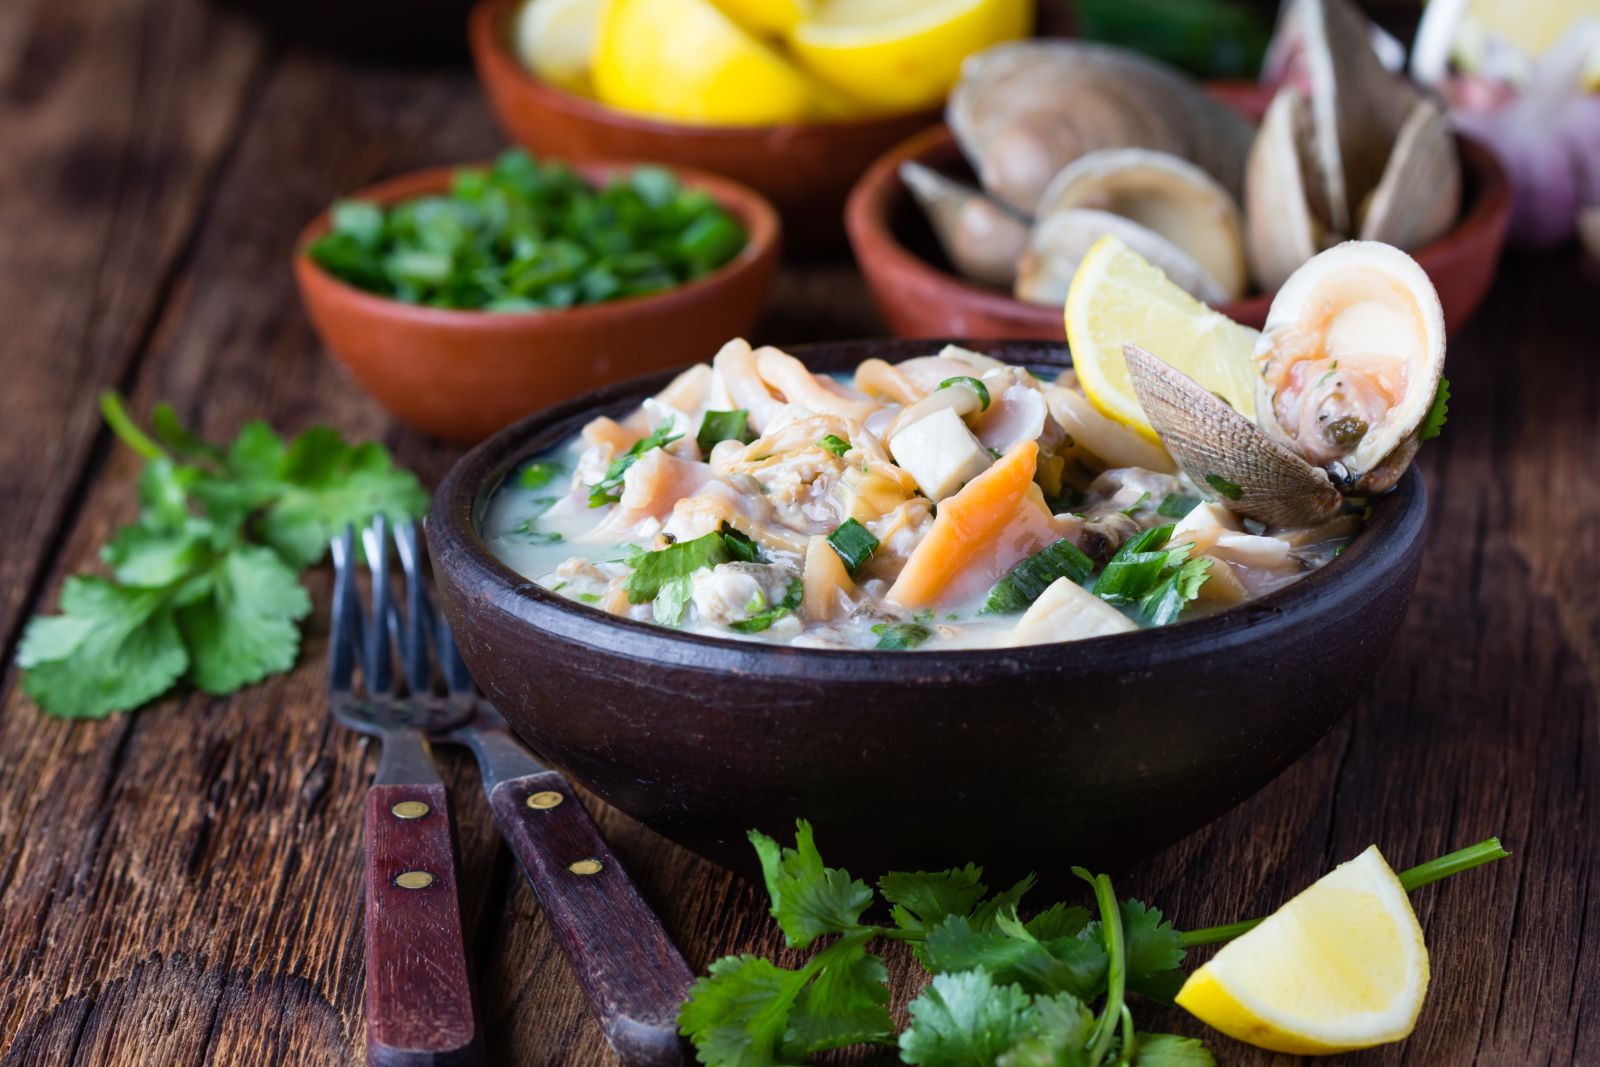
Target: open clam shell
(1061, 239)
(1357, 106)
(1025, 109)
(1419, 195)
(1216, 446)
(1165, 194)
(982, 238)
(1285, 220)
(1350, 359)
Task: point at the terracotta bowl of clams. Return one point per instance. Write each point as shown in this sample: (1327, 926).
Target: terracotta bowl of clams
(976, 227)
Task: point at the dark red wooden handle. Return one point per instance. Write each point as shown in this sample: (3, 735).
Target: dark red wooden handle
(419, 992)
(628, 967)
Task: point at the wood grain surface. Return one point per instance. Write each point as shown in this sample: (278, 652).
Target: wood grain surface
(184, 886)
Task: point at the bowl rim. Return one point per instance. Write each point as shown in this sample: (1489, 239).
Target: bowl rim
(758, 216)
(878, 248)
(464, 560)
(487, 36)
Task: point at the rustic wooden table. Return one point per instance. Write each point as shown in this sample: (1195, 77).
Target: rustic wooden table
(182, 885)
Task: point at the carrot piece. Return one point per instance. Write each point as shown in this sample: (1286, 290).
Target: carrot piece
(965, 524)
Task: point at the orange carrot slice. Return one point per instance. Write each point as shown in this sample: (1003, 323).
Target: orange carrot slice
(966, 524)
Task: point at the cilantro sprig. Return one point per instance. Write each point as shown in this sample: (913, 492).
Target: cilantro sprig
(1003, 991)
(204, 583)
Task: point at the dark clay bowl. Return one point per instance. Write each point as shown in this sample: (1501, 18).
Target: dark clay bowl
(920, 295)
(461, 375)
(1028, 758)
(806, 169)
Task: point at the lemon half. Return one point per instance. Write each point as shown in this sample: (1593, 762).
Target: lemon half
(1118, 297)
(1342, 966)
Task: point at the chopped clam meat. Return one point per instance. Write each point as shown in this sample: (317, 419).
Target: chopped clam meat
(1068, 612)
(940, 453)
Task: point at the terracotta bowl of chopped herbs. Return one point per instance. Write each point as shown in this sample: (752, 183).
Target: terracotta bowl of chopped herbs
(463, 298)
(1017, 758)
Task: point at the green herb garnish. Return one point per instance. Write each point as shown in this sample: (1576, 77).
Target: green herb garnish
(1004, 991)
(652, 570)
(608, 490)
(1029, 579)
(971, 383)
(530, 236)
(1177, 506)
(1159, 578)
(537, 475)
(835, 444)
(1332, 367)
(720, 426)
(900, 636)
(1137, 504)
(1434, 421)
(204, 582)
(854, 543)
(1231, 490)
(765, 618)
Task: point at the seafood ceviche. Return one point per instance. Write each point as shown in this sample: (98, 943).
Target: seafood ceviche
(955, 501)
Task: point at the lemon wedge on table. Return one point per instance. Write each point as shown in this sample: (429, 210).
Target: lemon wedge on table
(1118, 297)
(1340, 967)
(555, 39)
(687, 60)
(899, 55)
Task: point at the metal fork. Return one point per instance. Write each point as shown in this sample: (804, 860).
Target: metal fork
(419, 992)
(629, 970)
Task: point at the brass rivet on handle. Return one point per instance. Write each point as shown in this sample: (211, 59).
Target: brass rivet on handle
(413, 879)
(588, 866)
(410, 809)
(544, 800)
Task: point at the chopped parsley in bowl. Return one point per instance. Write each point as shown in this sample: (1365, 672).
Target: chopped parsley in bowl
(529, 235)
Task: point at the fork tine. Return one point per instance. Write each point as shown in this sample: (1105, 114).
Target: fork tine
(457, 679)
(345, 635)
(379, 664)
(413, 634)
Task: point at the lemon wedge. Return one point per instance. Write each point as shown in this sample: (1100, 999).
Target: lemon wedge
(1118, 297)
(771, 17)
(1342, 966)
(687, 60)
(555, 39)
(899, 55)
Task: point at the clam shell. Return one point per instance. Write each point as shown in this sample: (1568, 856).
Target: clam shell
(982, 238)
(1372, 307)
(1061, 239)
(1283, 228)
(1419, 196)
(1165, 194)
(1216, 446)
(1357, 106)
(1025, 109)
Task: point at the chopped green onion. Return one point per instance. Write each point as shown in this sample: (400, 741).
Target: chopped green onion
(1028, 580)
(1231, 490)
(720, 426)
(854, 543)
(900, 636)
(537, 475)
(835, 444)
(1177, 506)
(971, 383)
(608, 490)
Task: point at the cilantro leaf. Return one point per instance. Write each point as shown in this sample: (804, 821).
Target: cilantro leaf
(111, 648)
(737, 1015)
(1176, 588)
(1058, 920)
(1170, 1050)
(964, 1019)
(245, 628)
(146, 555)
(900, 636)
(1433, 422)
(1062, 1027)
(1011, 954)
(653, 570)
(608, 490)
(808, 898)
(538, 475)
(1154, 951)
(764, 619)
(846, 1004)
(923, 899)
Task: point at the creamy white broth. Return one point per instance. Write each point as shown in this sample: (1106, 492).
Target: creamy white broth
(784, 500)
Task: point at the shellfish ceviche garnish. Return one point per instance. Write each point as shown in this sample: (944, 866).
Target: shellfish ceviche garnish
(947, 501)
(1350, 381)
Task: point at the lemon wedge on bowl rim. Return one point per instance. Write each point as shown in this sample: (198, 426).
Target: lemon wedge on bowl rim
(555, 39)
(1118, 297)
(774, 17)
(687, 60)
(900, 55)
(1340, 967)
